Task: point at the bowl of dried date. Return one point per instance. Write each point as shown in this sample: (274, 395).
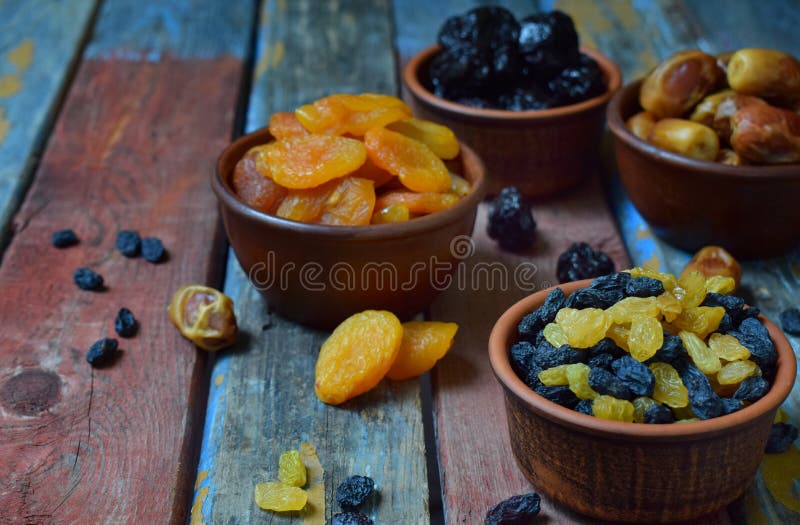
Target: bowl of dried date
(639, 396)
(347, 204)
(523, 93)
(708, 149)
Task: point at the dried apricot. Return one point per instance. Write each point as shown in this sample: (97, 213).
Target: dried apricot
(418, 168)
(351, 114)
(424, 343)
(440, 139)
(274, 495)
(251, 185)
(357, 355)
(459, 185)
(307, 205)
(291, 470)
(204, 316)
(418, 203)
(308, 161)
(370, 171)
(350, 204)
(391, 213)
(283, 125)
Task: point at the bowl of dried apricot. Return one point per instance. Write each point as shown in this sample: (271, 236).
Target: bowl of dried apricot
(639, 396)
(523, 93)
(348, 204)
(708, 149)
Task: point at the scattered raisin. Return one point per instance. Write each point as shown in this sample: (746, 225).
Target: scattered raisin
(102, 352)
(86, 279)
(129, 243)
(781, 438)
(64, 238)
(580, 261)
(535, 321)
(125, 323)
(752, 389)
(790, 321)
(354, 491)
(152, 249)
(511, 222)
(351, 518)
(517, 510)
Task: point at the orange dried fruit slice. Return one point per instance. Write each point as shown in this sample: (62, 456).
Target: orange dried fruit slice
(307, 205)
(308, 161)
(423, 344)
(418, 203)
(357, 355)
(341, 114)
(350, 204)
(370, 171)
(418, 168)
(440, 139)
(284, 125)
(253, 187)
(391, 213)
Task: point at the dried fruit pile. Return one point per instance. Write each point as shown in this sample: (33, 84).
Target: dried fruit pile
(647, 347)
(736, 108)
(491, 60)
(351, 160)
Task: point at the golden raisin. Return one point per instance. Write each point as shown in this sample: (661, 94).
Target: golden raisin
(274, 495)
(578, 379)
(440, 139)
(554, 376)
(308, 161)
(350, 204)
(702, 320)
(736, 371)
(640, 405)
(391, 213)
(668, 280)
(669, 305)
(728, 347)
(607, 407)
(418, 203)
(702, 356)
(625, 310)
(554, 335)
(283, 125)
(291, 470)
(669, 388)
(255, 188)
(619, 334)
(204, 316)
(645, 337)
(720, 284)
(583, 328)
(691, 289)
(423, 344)
(418, 168)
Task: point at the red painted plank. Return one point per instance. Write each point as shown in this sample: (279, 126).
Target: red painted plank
(133, 149)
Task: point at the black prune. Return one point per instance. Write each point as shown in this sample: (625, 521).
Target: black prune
(152, 249)
(525, 98)
(351, 518)
(64, 238)
(125, 323)
(535, 321)
(592, 298)
(755, 337)
(781, 438)
(128, 243)
(578, 83)
(644, 287)
(86, 279)
(658, 414)
(560, 395)
(354, 491)
(731, 405)
(460, 72)
(584, 406)
(751, 389)
(517, 510)
(705, 403)
(670, 350)
(790, 321)
(635, 375)
(548, 42)
(475, 102)
(604, 382)
(601, 361)
(548, 356)
(511, 222)
(580, 261)
(102, 352)
(488, 26)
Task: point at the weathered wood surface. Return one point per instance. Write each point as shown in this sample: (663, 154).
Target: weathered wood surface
(38, 52)
(132, 148)
(262, 398)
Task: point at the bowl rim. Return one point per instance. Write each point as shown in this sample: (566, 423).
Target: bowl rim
(754, 172)
(503, 333)
(220, 183)
(412, 82)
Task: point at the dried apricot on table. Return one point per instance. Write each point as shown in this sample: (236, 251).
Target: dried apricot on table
(253, 187)
(418, 168)
(440, 139)
(423, 344)
(418, 203)
(291, 470)
(308, 161)
(352, 114)
(350, 204)
(204, 316)
(274, 495)
(284, 124)
(357, 355)
(307, 205)
(391, 213)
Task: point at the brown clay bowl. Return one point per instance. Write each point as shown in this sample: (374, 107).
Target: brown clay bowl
(752, 211)
(319, 274)
(632, 472)
(542, 152)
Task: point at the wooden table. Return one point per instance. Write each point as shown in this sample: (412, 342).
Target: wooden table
(111, 115)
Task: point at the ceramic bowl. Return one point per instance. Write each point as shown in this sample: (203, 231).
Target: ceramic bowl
(632, 472)
(542, 152)
(320, 274)
(752, 211)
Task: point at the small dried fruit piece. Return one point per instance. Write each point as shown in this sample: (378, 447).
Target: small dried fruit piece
(578, 378)
(129, 243)
(424, 343)
(284, 124)
(350, 204)
(691, 289)
(727, 347)
(252, 186)
(418, 168)
(607, 407)
(511, 221)
(440, 139)
(669, 388)
(686, 138)
(125, 323)
(790, 321)
(581, 261)
(735, 372)
(668, 280)
(554, 376)
(102, 352)
(307, 205)
(702, 320)
(357, 355)
(391, 213)
(714, 260)
(351, 518)
(417, 203)
(354, 491)
(351, 114)
(669, 305)
(459, 185)
(308, 161)
(153, 249)
(204, 316)
(583, 328)
(641, 124)
(679, 82)
(702, 356)
(86, 279)
(277, 496)
(632, 307)
(645, 338)
(291, 470)
(719, 284)
(640, 405)
(516, 510)
(64, 238)
(554, 335)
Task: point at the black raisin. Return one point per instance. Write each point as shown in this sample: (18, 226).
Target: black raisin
(511, 222)
(64, 238)
(731, 405)
(726, 324)
(601, 361)
(616, 282)
(658, 414)
(129, 243)
(593, 298)
(644, 287)
(606, 346)
(531, 377)
(102, 352)
(86, 279)
(604, 382)
(520, 356)
(577, 83)
(580, 261)
(635, 375)
(670, 350)
(535, 321)
(584, 406)
(548, 356)
(751, 389)
(790, 321)
(525, 98)
(731, 303)
(548, 42)
(755, 337)
(781, 438)
(705, 403)
(560, 395)
(354, 491)
(351, 518)
(152, 249)
(125, 323)
(517, 510)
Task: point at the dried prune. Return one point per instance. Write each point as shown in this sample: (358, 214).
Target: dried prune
(125, 323)
(489, 26)
(584, 407)
(548, 42)
(86, 279)
(607, 383)
(511, 222)
(525, 98)
(755, 337)
(658, 414)
(548, 356)
(577, 83)
(581, 261)
(636, 376)
(516, 510)
(354, 491)
(644, 287)
(128, 243)
(64, 238)
(535, 321)
(102, 352)
(781, 438)
(752, 389)
(560, 395)
(705, 403)
(152, 249)
(790, 321)
(351, 518)
(461, 73)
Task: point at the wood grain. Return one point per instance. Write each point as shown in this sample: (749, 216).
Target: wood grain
(130, 151)
(262, 398)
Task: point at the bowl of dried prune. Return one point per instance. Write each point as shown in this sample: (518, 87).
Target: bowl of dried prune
(524, 94)
(638, 396)
(708, 149)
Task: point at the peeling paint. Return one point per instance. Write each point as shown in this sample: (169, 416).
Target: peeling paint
(5, 125)
(218, 381)
(22, 55)
(314, 512)
(10, 84)
(778, 471)
(197, 507)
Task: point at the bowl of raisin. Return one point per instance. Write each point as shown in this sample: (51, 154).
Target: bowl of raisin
(708, 149)
(347, 204)
(639, 396)
(523, 93)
